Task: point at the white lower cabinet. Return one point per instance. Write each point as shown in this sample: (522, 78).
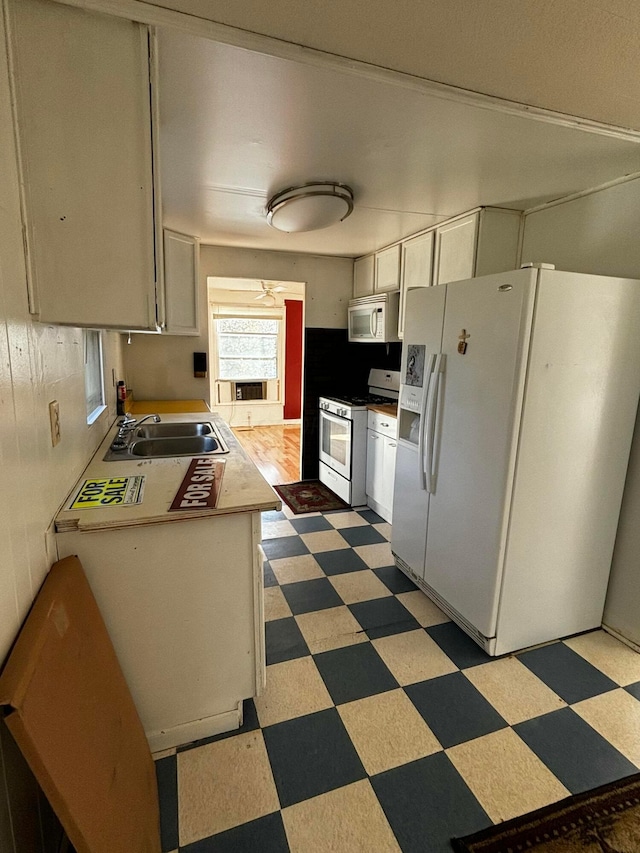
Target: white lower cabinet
(381, 463)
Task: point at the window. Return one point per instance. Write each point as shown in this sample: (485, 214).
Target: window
(93, 374)
(247, 348)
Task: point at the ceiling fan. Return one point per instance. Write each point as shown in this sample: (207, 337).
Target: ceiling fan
(268, 291)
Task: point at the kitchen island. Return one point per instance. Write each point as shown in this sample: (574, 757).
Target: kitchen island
(181, 592)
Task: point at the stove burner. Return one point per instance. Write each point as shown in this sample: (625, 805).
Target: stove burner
(359, 399)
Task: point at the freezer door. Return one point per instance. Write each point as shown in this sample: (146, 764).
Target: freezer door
(484, 344)
(410, 510)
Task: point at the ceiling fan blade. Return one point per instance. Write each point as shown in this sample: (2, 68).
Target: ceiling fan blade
(261, 295)
(278, 288)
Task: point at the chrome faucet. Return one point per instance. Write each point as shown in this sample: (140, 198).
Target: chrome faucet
(127, 424)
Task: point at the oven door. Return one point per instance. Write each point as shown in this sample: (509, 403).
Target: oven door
(335, 443)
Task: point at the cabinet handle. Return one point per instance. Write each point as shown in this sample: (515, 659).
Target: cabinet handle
(374, 437)
(384, 424)
(393, 444)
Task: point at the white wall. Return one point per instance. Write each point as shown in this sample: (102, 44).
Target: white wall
(162, 367)
(598, 233)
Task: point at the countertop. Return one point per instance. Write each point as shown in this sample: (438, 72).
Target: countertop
(243, 487)
(389, 409)
(151, 407)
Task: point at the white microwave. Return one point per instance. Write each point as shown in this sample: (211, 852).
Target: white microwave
(374, 319)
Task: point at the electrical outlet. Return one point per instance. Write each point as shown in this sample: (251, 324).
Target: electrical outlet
(54, 421)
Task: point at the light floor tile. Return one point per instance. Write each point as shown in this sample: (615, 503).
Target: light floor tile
(275, 604)
(336, 624)
(513, 690)
(375, 556)
(387, 731)
(330, 643)
(609, 655)
(347, 820)
(224, 784)
(294, 688)
(507, 778)
(383, 529)
(274, 529)
(324, 540)
(287, 510)
(345, 519)
(294, 569)
(413, 656)
(424, 610)
(359, 586)
(616, 716)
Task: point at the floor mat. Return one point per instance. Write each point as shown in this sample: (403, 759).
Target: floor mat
(309, 496)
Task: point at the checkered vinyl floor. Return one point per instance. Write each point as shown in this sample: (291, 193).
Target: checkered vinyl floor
(383, 726)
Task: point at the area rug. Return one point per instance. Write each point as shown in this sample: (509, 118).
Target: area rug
(605, 820)
(309, 496)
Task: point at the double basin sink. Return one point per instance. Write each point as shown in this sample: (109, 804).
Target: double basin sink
(160, 441)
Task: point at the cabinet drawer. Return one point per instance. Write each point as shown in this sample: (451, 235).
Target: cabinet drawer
(385, 424)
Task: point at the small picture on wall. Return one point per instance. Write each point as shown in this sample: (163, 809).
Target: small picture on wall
(415, 365)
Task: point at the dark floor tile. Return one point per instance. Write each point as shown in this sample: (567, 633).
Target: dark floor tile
(307, 596)
(167, 779)
(249, 724)
(566, 672)
(284, 641)
(427, 802)
(269, 578)
(458, 646)
(371, 516)
(274, 515)
(266, 835)
(354, 672)
(363, 535)
(339, 562)
(311, 755)
(310, 525)
(453, 709)
(395, 580)
(634, 689)
(284, 546)
(383, 616)
(574, 752)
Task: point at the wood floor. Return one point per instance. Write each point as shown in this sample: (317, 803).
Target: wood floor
(275, 450)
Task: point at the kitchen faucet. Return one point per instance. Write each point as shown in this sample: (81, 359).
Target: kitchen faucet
(127, 424)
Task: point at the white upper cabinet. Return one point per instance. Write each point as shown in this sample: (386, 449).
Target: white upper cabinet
(482, 243)
(83, 110)
(181, 283)
(417, 267)
(363, 272)
(387, 269)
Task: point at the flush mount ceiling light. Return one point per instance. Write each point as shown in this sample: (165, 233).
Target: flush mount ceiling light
(310, 207)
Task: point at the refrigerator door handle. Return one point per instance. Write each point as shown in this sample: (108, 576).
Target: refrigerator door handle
(434, 384)
(421, 433)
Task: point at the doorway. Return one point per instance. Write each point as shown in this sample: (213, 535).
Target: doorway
(256, 344)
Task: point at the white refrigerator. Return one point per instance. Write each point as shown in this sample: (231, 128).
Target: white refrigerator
(516, 414)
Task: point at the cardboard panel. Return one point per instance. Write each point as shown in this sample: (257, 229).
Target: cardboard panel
(72, 716)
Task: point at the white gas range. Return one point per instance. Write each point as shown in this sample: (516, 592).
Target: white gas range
(343, 436)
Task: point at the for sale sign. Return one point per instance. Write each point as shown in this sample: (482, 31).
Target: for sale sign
(108, 491)
(200, 488)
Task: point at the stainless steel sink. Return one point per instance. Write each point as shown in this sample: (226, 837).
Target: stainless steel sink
(168, 430)
(189, 445)
(160, 441)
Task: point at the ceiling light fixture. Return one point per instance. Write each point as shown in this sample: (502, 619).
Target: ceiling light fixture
(310, 207)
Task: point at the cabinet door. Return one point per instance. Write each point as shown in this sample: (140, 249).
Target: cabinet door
(387, 269)
(388, 474)
(181, 283)
(417, 268)
(363, 271)
(455, 250)
(375, 466)
(83, 115)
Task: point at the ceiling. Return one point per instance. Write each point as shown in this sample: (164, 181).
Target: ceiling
(236, 126)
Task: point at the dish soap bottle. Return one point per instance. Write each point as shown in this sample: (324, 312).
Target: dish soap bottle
(121, 400)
